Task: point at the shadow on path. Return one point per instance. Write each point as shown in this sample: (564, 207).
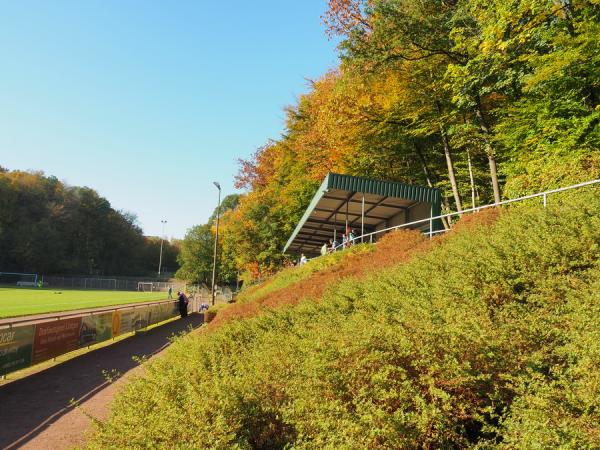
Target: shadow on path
(30, 405)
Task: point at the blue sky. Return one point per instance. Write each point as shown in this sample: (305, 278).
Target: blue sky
(148, 102)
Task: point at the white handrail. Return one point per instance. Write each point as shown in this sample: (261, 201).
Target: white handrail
(544, 194)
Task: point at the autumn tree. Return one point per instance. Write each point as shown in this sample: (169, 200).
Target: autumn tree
(471, 98)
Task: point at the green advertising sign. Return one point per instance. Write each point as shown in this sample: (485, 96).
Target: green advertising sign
(128, 318)
(133, 320)
(103, 327)
(15, 348)
(142, 322)
(95, 329)
(162, 312)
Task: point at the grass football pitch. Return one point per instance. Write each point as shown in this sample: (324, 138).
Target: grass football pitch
(26, 301)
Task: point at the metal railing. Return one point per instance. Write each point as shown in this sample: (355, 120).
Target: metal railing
(429, 220)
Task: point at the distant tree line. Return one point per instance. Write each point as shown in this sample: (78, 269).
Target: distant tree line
(49, 227)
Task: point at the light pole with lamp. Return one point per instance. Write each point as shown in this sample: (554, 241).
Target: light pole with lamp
(216, 243)
(162, 238)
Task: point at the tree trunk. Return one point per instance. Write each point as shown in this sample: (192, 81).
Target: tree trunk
(423, 164)
(471, 179)
(449, 163)
(489, 150)
(494, 175)
(429, 182)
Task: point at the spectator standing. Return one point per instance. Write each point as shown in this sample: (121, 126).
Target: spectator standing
(324, 249)
(332, 246)
(182, 303)
(351, 237)
(303, 260)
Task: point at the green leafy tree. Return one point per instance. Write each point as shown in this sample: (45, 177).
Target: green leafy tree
(196, 256)
(197, 251)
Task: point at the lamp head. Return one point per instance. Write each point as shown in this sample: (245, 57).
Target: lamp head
(217, 185)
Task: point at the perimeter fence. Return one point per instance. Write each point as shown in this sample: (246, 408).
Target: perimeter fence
(110, 283)
(202, 292)
(26, 341)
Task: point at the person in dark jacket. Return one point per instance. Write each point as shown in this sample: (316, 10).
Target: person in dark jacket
(183, 304)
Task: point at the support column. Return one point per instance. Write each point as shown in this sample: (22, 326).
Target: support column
(335, 228)
(347, 203)
(362, 219)
(431, 222)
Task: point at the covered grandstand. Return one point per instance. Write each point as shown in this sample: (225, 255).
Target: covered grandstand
(364, 204)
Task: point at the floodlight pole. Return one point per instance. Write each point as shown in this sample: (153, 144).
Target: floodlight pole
(216, 244)
(162, 237)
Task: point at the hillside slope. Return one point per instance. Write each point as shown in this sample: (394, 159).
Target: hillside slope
(487, 339)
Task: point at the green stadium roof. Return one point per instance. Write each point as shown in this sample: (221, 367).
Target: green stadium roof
(339, 195)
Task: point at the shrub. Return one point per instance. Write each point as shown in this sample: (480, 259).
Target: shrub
(488, 339)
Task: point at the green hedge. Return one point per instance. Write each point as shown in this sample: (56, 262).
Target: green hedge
(490, 340)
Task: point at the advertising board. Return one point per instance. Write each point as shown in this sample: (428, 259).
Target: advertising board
(133, 319)
(16, 345)
(116, 323)
(143, 318)
(23, 346)
(95, 329)
(163, 311)
(151, 315)
(55, 338)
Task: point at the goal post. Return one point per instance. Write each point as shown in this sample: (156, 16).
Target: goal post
(104, 284)
(145, 286)
(19, 279)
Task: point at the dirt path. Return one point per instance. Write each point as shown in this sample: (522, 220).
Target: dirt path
(36, 411)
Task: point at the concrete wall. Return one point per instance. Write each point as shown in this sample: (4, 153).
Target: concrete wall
(398, 219)
(417, 212)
